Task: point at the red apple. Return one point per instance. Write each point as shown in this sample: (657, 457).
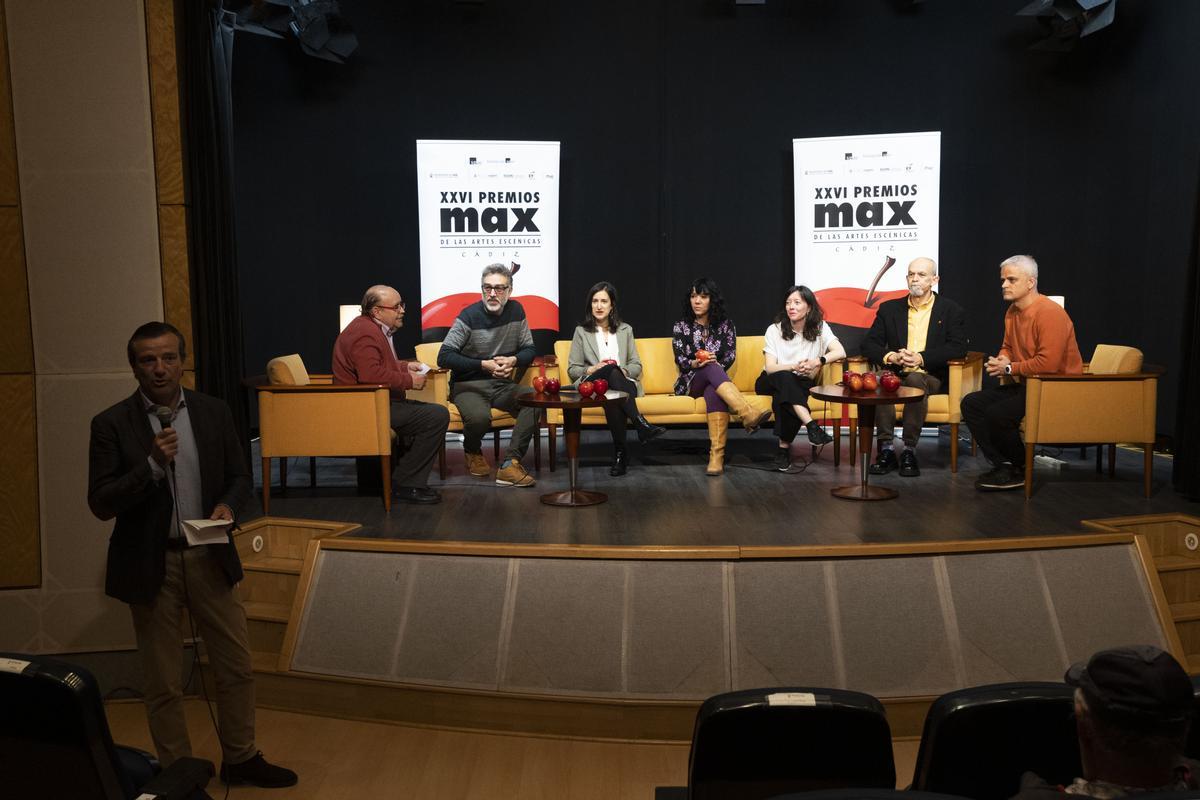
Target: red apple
(539, 383)
(552, 385)
(889, 381)
(870, 381)
(600, 386)
(585, 388)
(854, 382)
(703, 356)
(612, 361)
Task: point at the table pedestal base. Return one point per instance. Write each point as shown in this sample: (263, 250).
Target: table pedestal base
(864, 491)
(573, 498)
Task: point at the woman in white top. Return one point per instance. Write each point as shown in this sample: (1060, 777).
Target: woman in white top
(603, 347)
(798, 345)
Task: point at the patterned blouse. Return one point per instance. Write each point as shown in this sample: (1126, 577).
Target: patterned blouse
(688, 337)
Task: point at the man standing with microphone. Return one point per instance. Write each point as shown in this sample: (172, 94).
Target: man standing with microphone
(161, 456)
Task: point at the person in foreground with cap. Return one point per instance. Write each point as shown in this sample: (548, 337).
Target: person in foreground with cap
(1133, 707)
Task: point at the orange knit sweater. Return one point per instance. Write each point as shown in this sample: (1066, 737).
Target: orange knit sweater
(1040, 339)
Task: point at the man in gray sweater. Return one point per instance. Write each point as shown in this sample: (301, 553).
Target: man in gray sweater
(488, 347)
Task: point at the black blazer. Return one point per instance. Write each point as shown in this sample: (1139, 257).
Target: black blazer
(121, 484)
(945, 340)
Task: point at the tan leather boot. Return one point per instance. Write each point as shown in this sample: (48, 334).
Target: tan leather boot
(751, 416)
(718, 430)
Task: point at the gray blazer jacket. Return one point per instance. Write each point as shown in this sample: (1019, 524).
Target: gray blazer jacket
(584, 353)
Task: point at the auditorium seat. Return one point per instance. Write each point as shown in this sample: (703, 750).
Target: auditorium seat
(54, 741)
(760, 743)
(978, 742)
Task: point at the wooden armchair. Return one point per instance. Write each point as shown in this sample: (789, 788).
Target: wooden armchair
(437, 390)
(1112, 401)
(966, 376)
(308, 415)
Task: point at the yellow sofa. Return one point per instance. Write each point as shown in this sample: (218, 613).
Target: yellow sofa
(662, 407)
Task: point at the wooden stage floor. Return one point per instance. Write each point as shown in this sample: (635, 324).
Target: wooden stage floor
(666, 499)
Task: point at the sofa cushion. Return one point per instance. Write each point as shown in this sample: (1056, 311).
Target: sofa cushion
(658, 365)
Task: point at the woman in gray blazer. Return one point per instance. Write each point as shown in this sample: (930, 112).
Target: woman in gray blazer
(603, 347)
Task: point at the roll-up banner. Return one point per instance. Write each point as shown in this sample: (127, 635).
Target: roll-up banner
(865, 207)
(483, 203)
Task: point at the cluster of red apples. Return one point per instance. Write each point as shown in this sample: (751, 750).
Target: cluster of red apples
(869, 381)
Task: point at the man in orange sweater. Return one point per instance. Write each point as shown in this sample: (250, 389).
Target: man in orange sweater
(1039, 337)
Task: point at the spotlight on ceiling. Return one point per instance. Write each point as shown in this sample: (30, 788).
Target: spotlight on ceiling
(317, 25)
(1066, 21)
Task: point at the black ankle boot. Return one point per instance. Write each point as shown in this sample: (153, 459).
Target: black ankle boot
(646, 430)
(620, 462)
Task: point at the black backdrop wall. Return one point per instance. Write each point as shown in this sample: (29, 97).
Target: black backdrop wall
(676, 120)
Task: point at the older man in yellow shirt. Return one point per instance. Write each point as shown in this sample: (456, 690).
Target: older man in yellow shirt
(916, 336)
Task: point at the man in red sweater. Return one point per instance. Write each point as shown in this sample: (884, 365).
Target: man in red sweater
(363, 353)
(1039, 337)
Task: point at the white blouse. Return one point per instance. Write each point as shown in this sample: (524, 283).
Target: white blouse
(606, 346)
(797, 349)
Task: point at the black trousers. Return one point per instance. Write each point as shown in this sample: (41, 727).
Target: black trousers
(616, 415)
(994, 416)
(786, 389)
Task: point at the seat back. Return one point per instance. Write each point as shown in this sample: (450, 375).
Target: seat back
(54, 739)
(977, 742)
(1115, 359)
(763, 742)
(658, 365)
(287, 371)
(748, 364)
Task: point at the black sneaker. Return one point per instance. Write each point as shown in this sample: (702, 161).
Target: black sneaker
(257, 771)
(885, 463)
(783, 459)
(908, 464)
(1002, 478)
(817, 434)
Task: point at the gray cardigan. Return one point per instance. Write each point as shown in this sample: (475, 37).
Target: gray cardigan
(584, 353)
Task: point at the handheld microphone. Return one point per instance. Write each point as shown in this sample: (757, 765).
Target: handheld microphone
(165, 418)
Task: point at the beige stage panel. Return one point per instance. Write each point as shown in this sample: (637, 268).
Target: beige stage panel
(75, 541)
(164, 97)
(785, 627)
(81, 110)
(898, 626)
(20, 529)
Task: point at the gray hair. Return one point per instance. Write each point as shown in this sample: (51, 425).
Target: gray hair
(1025, 263)
(498, 269)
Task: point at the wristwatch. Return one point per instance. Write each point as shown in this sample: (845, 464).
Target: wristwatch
(1008, 369)
(822, 360)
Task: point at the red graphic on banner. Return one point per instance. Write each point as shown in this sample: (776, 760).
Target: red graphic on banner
(441, 313)
(854, 307)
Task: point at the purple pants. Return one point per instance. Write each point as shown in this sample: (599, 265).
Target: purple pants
(705, 382)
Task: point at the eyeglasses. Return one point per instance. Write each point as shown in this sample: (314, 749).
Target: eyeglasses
(487, 288)
(397, 307)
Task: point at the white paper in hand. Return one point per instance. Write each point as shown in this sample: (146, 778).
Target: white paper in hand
(206, 531)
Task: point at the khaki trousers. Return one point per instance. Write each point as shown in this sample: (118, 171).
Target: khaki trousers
(913, 414)
(221, 622)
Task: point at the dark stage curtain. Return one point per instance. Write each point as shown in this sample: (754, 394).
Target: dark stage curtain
(1187, 423)
(207, 44)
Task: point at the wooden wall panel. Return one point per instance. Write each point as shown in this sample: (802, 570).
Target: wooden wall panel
(8, 148)
(177, 292)
(16, 342)
(20, 546)
(164, 101)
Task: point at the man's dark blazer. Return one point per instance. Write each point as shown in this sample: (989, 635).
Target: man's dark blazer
(945, 340)
(121, 484)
